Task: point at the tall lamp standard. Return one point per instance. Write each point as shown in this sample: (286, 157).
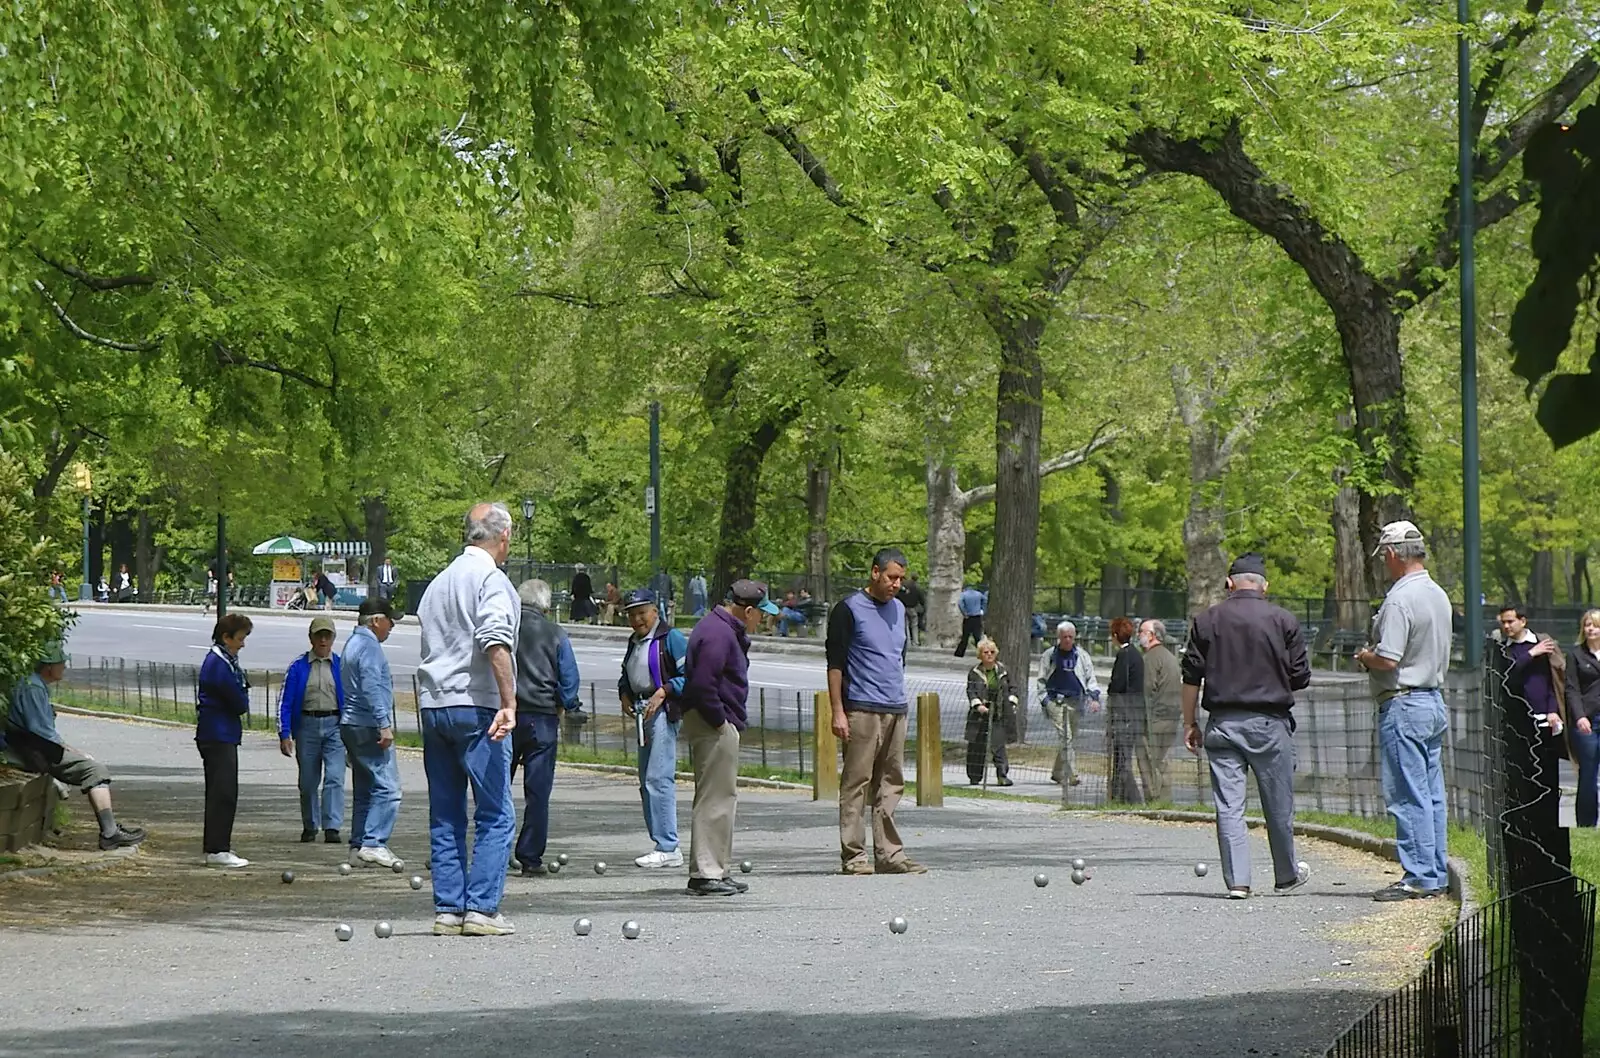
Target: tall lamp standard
(527, 531)
(85, 483)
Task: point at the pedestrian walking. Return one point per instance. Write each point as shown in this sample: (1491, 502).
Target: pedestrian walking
(211, 591)
(713, 713)
(1163, 712)
(32, 741)
(1067, 685)
(58, 588)
(915, 602)
(866, 651)
(124, 584)
(991, 715)
(223, 696)
(972, 604)
(1583, 705)
(471, 619)
(327, 590)
(649, 688)
(1250, 657)
(698, 594)
(582, 592)
(1124, 714)
(547, 686)
(1406, 663)
(308, 730)
(367, 728)
(1537, 676)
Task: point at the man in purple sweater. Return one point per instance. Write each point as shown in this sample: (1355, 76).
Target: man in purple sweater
(1538, 669)
(713, 711)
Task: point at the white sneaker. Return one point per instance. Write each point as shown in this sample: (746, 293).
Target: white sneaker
(660, 859)
(1302, 876)
(446, 924)
(477, 924)
(378, 857)
(225, 860)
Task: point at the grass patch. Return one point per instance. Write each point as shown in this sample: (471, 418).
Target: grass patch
(1586, 865)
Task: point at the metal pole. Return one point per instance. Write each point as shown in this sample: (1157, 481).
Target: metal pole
(222, 565)
(1472, 544)
(655, 494)
(86, 589)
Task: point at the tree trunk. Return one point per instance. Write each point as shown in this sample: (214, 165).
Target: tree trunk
(1541, 581)
(97, 546)
(947, 544)
(819, 486)
(1349, 561)
(121, 534)
(375, 512)
(1511, 591)
(1019, 418)
(146, 558)
(741, 484)
(57, 457)
(1113, 577)
(1582, 590)
(1204, 562)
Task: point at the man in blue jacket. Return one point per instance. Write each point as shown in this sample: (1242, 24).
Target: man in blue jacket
(367, 728)
(547, 685)
(972, 604)
(713, 712)
(308, 731)
(652, 680)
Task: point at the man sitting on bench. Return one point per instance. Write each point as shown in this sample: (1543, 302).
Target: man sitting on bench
(30, 735)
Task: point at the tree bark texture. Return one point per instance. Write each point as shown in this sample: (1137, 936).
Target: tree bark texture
(741, 485)
(1019, 419)
(1349, 560)
(1542, 581)
(375, 518)
(947, 546)
(148, 558)
(819, 488)
(1114, 593)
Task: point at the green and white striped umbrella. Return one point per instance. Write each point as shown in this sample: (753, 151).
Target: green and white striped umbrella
(284, 545)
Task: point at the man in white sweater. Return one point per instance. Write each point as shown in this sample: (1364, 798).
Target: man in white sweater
(468, 705)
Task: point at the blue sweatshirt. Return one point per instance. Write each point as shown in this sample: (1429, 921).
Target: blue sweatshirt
(224, 696)
(294, 692)
(867, 645)
(370, 700)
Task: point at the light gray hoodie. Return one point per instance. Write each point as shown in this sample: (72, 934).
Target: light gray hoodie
(467, 609)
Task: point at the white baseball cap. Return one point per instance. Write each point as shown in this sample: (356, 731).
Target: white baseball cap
(1395, 533)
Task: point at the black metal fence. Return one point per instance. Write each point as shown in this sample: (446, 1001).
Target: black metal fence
(1479, 998)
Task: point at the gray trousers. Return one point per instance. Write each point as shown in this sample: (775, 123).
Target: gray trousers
(1236, 740)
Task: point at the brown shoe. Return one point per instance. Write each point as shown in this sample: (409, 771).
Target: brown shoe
(901, 866)
(859, 867)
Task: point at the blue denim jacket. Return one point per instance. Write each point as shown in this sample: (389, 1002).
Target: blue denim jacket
(368, 687)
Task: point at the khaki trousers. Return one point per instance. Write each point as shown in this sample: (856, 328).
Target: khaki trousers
(1160, 735)
(873, 760)
(714, 752)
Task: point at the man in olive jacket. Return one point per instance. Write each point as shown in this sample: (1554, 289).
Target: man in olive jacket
(1163, 707)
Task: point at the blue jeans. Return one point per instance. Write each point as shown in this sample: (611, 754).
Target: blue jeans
(375, 779)
(1587, 749)
(456, 750)
(319, 750)
(533, 748)
(787, 617)
(59, 591)
(658, 784)
(1411, 729)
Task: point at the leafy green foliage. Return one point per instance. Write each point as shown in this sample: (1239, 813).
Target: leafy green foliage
(28, 617)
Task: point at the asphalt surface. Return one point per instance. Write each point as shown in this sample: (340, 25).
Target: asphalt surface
(162, 957)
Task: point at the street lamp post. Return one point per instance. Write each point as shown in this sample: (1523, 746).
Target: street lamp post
(527, 532)
(86, 485)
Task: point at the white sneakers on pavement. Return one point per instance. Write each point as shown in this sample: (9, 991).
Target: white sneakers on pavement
(476, 924)
(447, 925)
(226, 860)
(375, 857)
(1302, 876)
(657, 858)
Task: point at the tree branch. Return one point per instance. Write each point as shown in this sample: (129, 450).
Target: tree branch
(582, 301)
(228, 358)
(85, 336)
(1103, 435)
(1492, 160)
(94, 282)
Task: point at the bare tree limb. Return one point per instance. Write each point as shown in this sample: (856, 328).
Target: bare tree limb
(1492, 160)
(94, 282)
(1103, 435)
(93, 339)
(228, 358)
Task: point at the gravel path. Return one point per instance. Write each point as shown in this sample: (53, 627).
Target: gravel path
(162, 957)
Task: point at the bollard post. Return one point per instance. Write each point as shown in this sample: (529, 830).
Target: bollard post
(930, 753)
(763, 727)
(825, 751)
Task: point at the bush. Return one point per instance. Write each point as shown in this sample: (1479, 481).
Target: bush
(28, 618)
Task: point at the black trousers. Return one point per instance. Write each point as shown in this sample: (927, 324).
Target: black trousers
(971, 628)
(221, 760)
(997, 751)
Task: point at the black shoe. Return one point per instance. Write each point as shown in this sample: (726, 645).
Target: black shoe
(533, 872)
(1401, 891)
(741, 886)
(1003, 781)
(330, 837)
(974, 782)
(308, 836)
(712, 887)
(125, 837)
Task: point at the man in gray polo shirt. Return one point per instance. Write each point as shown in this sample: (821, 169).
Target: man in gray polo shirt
(1406, 663)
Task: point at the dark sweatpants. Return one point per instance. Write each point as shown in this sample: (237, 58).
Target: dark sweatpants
(533, 749)
(997, 752)
(971, 628)
(221, 760)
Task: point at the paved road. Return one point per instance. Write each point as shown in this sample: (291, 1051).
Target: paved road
(161, 957)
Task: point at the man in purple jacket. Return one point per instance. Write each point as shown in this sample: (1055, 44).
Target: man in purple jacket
(713, 712)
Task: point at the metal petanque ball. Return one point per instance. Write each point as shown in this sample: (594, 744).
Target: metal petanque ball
(898, 925)
(1200, 870)
(416, 881)
(1041, 880)
(630, 930)
(383, 931)
(399, 866)
(552, 868)
(288, 876)
(345, 868)
(582, 927)
(562, 859)
(343, 931)
(746, 867)
(1078, 877)
(1078, 865)
(600, 868)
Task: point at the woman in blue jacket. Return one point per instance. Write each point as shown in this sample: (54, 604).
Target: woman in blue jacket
(224, 697)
